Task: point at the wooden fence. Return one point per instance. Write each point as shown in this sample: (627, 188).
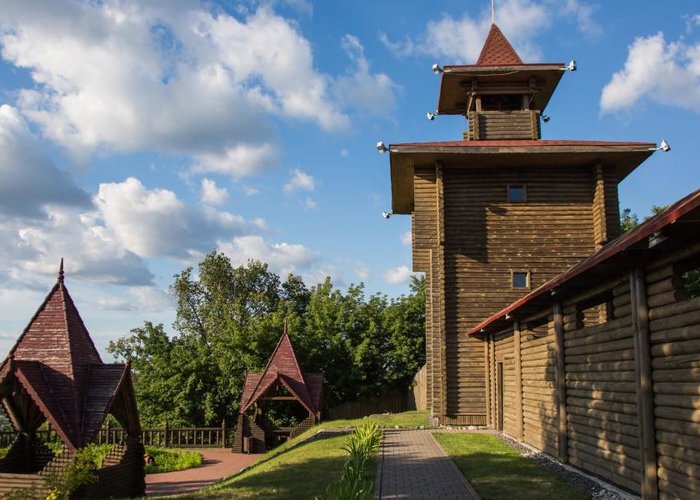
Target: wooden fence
(164, 437)
(391, 402)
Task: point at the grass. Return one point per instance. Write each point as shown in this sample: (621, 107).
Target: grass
(168, 460)
(498, 471)
(301, 472)
(406, 419)
(304, 470)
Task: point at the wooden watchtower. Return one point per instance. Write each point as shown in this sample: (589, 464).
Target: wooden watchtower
(498, 212)
(54, 374)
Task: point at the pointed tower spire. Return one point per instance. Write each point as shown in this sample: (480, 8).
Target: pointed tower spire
(497, 50)
(285, 326)
(60, 271)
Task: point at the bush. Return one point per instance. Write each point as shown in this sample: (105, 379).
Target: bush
(363, 444)
(167, 460)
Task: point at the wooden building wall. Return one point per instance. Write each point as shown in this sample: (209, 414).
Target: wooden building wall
(644, 437)
(674, 324)
(539, 399)
(468, 239)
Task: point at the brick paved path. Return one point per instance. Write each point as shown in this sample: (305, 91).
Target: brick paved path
(218, 463)
(413, 465)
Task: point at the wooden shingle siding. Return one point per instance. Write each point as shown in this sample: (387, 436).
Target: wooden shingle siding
(675, 348)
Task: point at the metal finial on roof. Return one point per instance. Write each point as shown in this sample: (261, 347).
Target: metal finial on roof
(493, 11)
(60, 271)
(285, 326)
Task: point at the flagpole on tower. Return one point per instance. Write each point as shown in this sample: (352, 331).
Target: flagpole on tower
(493, 11)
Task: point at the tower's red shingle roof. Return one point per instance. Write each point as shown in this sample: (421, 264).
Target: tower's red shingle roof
(497, 50)
(283, 367)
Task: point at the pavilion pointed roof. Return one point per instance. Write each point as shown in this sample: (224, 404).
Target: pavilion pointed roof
(284, 368)
(498, 64)
(56, 363)
(497, 50)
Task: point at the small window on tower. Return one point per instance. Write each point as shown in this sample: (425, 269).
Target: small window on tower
(521, 279)
(517, 193)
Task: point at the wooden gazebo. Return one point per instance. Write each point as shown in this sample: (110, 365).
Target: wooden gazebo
(281, 381)
(54, 374)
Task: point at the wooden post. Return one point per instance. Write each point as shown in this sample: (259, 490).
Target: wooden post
(223, 433)
(519, 431)
(494, 410)
(165, 437)
(442, 324)
(487, 378)
(645, 391)
(563, 435)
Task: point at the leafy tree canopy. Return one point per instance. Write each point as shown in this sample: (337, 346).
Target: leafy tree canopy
(229, 320)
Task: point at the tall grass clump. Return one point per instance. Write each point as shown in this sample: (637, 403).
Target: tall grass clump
(362, 446)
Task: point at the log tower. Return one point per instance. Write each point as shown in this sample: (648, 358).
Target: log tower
(499, 212)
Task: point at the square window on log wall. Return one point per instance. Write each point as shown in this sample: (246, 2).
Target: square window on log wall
(517, 193)
(520, 279)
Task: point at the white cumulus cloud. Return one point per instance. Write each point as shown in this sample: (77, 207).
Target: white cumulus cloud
(213, 194)
(664, 72)
(397, 275)
(282, 258)
(299, 180)
(30, 180)
(155, 223)
(407, 238)
(372, 93)
(459, 40)
(181, 77)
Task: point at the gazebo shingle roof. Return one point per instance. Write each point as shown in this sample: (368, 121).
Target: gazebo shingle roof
(284, 367)
(57, 364)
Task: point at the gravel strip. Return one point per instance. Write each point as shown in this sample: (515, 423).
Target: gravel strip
(597, 488)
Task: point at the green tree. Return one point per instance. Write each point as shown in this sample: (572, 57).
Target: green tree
(229, 320)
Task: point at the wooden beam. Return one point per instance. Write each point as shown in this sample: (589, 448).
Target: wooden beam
(519, 431)
(278, 398)
(487, 378)
(645, 391)
(559, 348)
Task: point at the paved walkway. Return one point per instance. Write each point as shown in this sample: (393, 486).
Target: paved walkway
(413, 465)
(218, 463)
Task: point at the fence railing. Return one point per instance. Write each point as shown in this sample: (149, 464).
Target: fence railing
(164, 437)
(392, 401)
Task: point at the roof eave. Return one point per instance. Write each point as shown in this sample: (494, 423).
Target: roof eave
(625, 157)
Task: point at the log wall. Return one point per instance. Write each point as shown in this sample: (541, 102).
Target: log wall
(469, 239)
(606, 431)
(539, 398)
(488, 238)
(675, 351)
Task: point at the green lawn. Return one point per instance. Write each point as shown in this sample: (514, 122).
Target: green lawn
(497, 471)
(406, 419)
(303, 471)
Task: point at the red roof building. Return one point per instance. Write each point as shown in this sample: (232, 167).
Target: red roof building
(498, 212)
(54, 374)
(282, 381)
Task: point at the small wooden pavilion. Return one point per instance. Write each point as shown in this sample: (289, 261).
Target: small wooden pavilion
(281, 383)
(54, 374)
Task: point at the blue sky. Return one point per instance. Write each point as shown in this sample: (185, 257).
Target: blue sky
(135, 137)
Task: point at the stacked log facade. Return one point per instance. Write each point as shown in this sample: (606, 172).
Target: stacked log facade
(627, 407)
(469, 239)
